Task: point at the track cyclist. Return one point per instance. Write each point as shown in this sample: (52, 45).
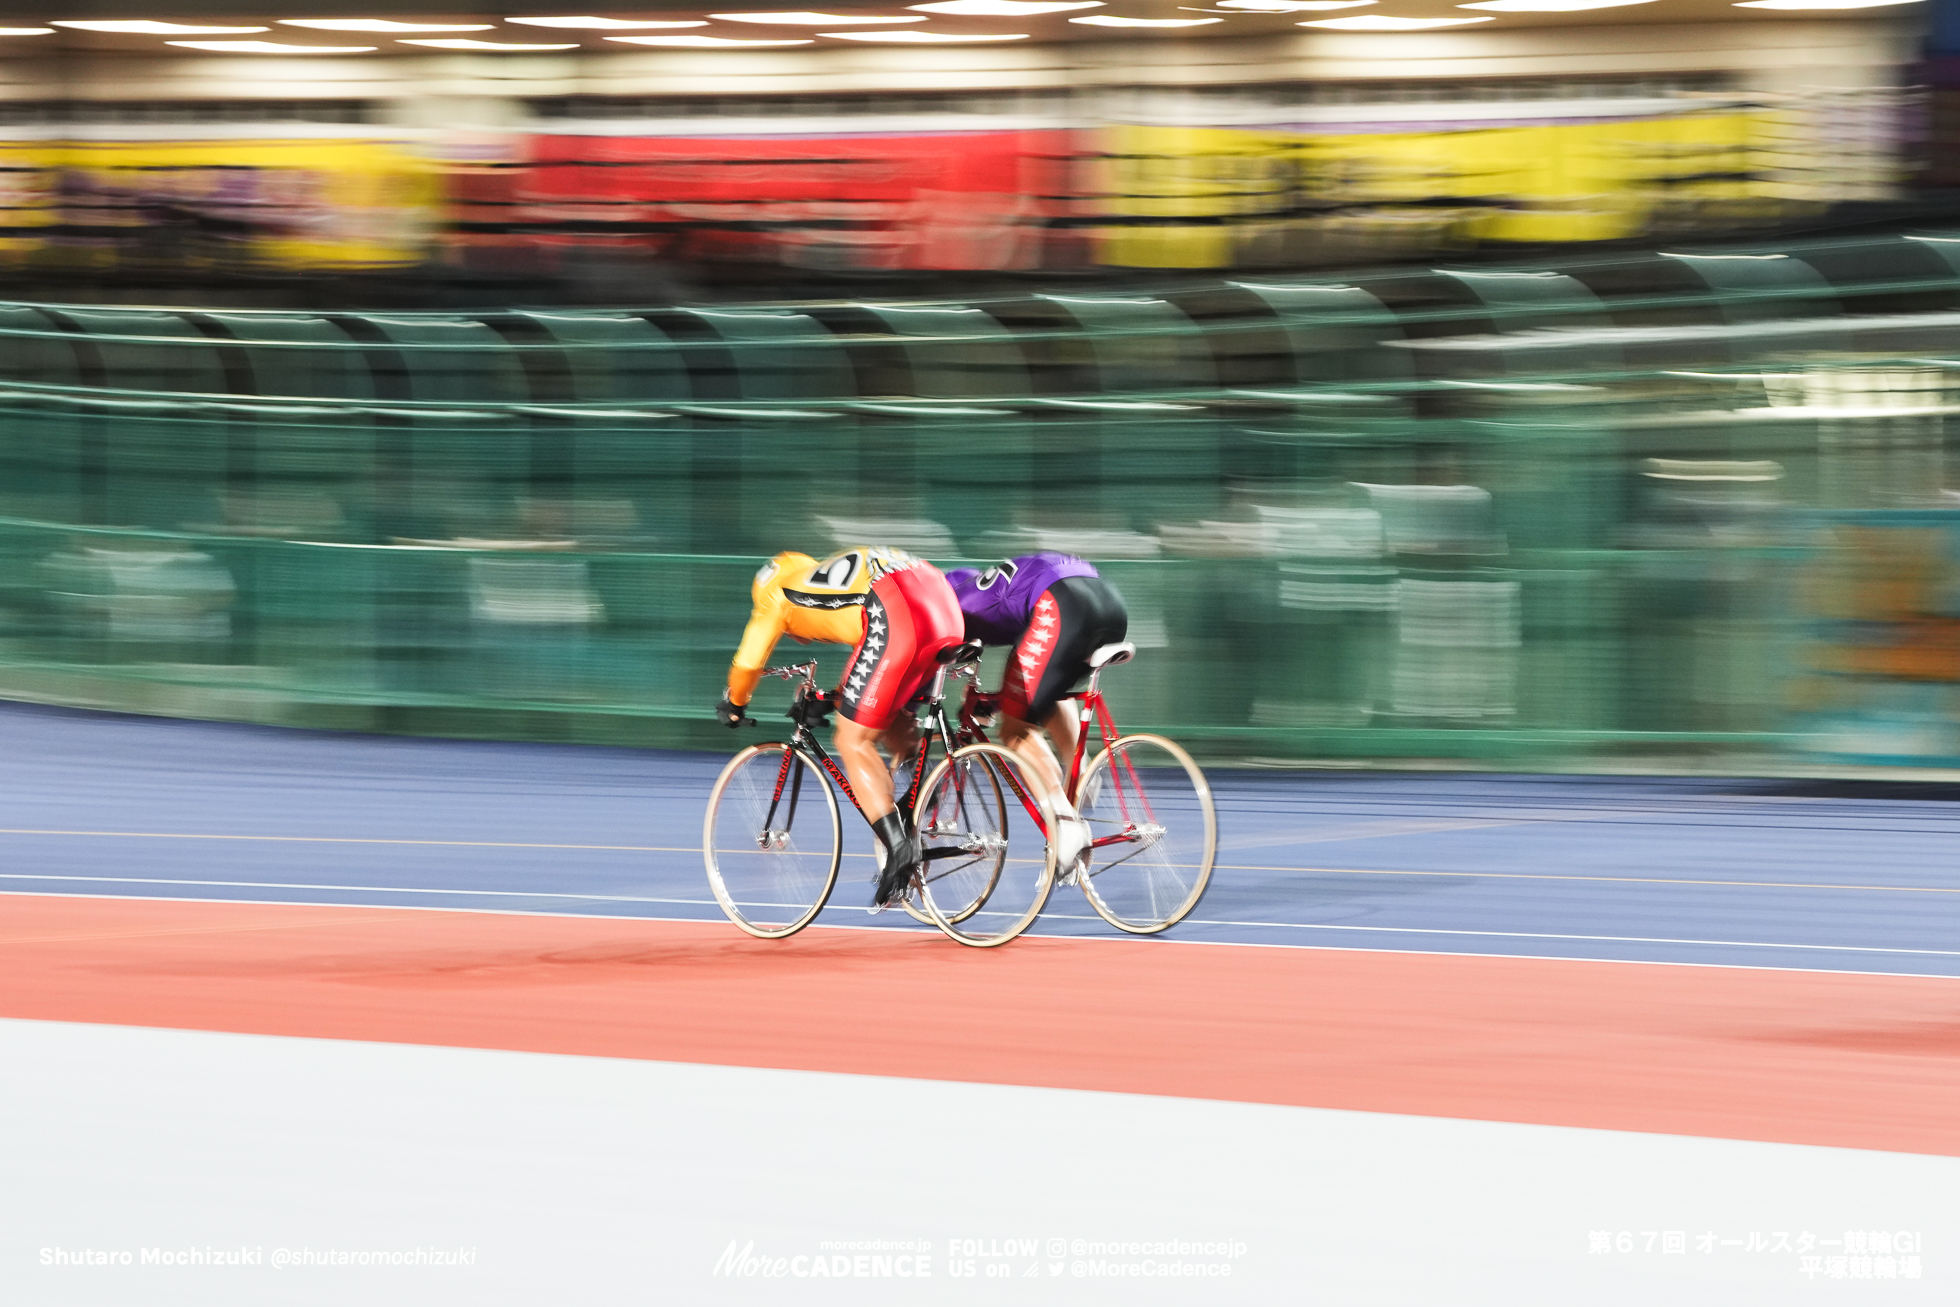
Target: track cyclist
(900, 614)
(1056, 611)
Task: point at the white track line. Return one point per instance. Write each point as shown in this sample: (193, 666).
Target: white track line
(904, 925)
(341, 839)
(366, 889)
(1603, 939)
(1194, 921)
(1222, 866)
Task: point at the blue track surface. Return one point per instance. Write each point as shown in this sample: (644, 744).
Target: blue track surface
(1748, 873)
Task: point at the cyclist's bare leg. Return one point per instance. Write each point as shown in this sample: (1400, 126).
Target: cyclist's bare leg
(1064, 728)
(1028, 743)
(857, 746)
(901, 738)
(1071, 835)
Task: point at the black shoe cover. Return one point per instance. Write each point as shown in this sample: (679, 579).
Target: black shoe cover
(901, 859)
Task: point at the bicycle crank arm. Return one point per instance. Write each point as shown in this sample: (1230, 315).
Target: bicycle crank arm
(968, 848)
(1134, 835)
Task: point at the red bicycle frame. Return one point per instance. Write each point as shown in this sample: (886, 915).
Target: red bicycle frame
(978, 709)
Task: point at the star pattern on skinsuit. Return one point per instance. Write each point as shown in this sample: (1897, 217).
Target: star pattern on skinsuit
(876, 630)
(1041, 634)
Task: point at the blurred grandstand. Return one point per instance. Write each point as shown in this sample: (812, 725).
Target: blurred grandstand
(1416, 387)
(556, 164)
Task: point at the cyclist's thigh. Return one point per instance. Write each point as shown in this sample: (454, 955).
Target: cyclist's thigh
(1087, 614)
(910, 616)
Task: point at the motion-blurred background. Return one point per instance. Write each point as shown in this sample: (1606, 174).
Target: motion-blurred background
(480, 158)
(1542, 383)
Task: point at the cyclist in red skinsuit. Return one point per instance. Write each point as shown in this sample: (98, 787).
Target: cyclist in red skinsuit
(900, 614)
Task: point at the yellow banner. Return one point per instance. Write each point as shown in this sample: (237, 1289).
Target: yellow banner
(291, 205)
(1556, 182)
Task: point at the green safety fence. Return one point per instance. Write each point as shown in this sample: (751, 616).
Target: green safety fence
(1519, 531)
(1543, 577)
(1297, 657)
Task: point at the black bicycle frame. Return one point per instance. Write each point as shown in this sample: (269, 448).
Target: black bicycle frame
(804, 740)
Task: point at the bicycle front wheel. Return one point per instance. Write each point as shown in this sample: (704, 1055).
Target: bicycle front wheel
(1156, 834)
(772, 840)
(987, 867)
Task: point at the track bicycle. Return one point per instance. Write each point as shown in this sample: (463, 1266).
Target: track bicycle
(772, 838)
(1154, 828)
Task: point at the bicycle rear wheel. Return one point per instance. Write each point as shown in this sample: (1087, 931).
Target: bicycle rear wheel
(988, 869)
(1156, 833)
(772, 840)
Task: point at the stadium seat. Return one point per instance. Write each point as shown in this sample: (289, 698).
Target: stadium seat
(182, 358)
(1340, 333)
(41, 355)
(294, 355)
(606, 358)
(1142, 343)
(955, 361)
(776, 354)
(447, 360)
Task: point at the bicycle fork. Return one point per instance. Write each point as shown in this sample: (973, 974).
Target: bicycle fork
(769, 838)
(790, 775)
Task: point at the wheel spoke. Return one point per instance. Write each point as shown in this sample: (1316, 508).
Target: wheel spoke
(1149, 804)
(982, 889)
(771, 849)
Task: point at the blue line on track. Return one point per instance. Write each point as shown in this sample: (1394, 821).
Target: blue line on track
(1729, 872)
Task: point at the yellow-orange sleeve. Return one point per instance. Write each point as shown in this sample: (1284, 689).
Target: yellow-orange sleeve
(752, 655)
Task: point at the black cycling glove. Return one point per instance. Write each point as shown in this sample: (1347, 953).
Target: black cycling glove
(730, 713)
(811, 712)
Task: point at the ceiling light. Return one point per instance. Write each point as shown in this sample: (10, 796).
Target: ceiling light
(701, 42)
(1385, 23)
(145, 27)
(1548, 6)
(1818, 4)
(1111, 20)
(1288, 6)
(465, 43)
(380, 25)
(26, 31)
(913, 37)
(271, 47)
(1005, 8)
(806, 19)
(601, 24)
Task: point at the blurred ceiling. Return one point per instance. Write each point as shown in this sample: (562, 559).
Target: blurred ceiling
(1224, 22)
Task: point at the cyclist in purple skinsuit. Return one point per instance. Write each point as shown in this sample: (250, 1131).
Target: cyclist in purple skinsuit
(1056, 611)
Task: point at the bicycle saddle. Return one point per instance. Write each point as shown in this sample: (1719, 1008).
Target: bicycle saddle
(960, 654)
(1111, 654)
